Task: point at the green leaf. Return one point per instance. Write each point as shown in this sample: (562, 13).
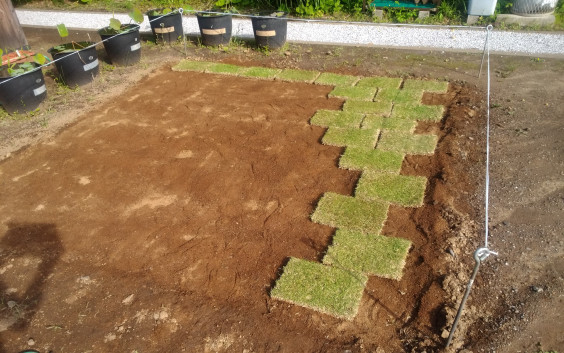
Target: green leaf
(63, 31)
(220, 3)
(167, 11)
(136, 15)
(1, 53)
(115, 24)
(40, 59)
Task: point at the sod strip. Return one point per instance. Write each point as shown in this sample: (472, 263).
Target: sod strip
(356, 158)
(427, 86)
(297, 75)
(379, 108)
(187, 65)
(342, 137)
(347, 212)
(373, 121)
(327, 289)
(336, 118)
(404, 190)
(404, 142)
(403, 96)
(368, 254)
(261, 72)
(354, 93)
(419, 112)
(330, 79)
(225, 69)
(380, 82)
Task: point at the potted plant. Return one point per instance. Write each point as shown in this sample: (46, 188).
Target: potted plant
(22, 86)
(166, 24)
(122, 41)
(270, 28)
(215, 27)
(76, 62)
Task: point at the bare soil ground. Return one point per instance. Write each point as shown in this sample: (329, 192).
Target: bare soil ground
(153, 210)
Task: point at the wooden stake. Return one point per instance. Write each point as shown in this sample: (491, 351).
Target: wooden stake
(12, 36)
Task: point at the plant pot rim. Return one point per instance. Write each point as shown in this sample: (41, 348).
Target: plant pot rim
(174, 11)
(127, 28)
(215, 14)
(268, 14)
(4, 69)
(87, 45)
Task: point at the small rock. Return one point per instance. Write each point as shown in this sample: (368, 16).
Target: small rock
(537, 289)
(128, 300)
(329, 52)
(30, 342)
(287, 53)
(445, 334)
(163, 315)
(84, 280)
(11, 304)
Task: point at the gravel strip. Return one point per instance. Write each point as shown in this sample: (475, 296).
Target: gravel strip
(378, 35)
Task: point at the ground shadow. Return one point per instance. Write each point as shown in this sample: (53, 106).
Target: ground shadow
(35, 241)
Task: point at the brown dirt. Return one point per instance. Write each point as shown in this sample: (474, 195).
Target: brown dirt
(159, 219)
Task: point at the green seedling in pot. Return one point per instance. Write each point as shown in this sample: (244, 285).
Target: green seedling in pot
(16, 69)
(116, 27)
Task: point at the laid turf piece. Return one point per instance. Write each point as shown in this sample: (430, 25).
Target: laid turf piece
(298, 75)
(404, 190)
(407, 143)
(327, 289)
(187, 65)
(341, 137)
(354, 93)
(380, 82)
(261, 72)
(403, 96)
(330, 79)
(347, 212)
(368, 254)
(373, 121)
(419, 112)
(336, 118)
(225, 69)
(356, 158)
(427, 86)
(381, 108)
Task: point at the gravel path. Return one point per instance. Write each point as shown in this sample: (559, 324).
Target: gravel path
(459, 38)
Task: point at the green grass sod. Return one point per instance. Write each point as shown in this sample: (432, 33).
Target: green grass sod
(419, 112)
(373, 121)
(336, 118)
(261, 72)
(427, 86)
(369, 254)
(381, 108)
(354, 93)
(403, 96)
(347, 212)
(298, 75)
(341, 137)
(330, 79)
(404, 190)
(327, 289)
(225, 69)
(188, 65)
(380, 82)
(355, 158)
(404, 142)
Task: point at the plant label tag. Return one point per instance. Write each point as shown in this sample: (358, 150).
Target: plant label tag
(90, 66)
(164, 30)
(135, 47)
(213, 32)
(266, 33)
(39, 90)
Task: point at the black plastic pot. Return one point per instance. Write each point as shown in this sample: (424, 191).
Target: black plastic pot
(270, 29)
(23, 93)
(125, 48)
(77, 67)
(167, 28)
(215, 28)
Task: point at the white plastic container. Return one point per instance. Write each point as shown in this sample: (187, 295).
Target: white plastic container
(481, 7)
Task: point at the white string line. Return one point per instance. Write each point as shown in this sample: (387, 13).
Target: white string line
(487, 196)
